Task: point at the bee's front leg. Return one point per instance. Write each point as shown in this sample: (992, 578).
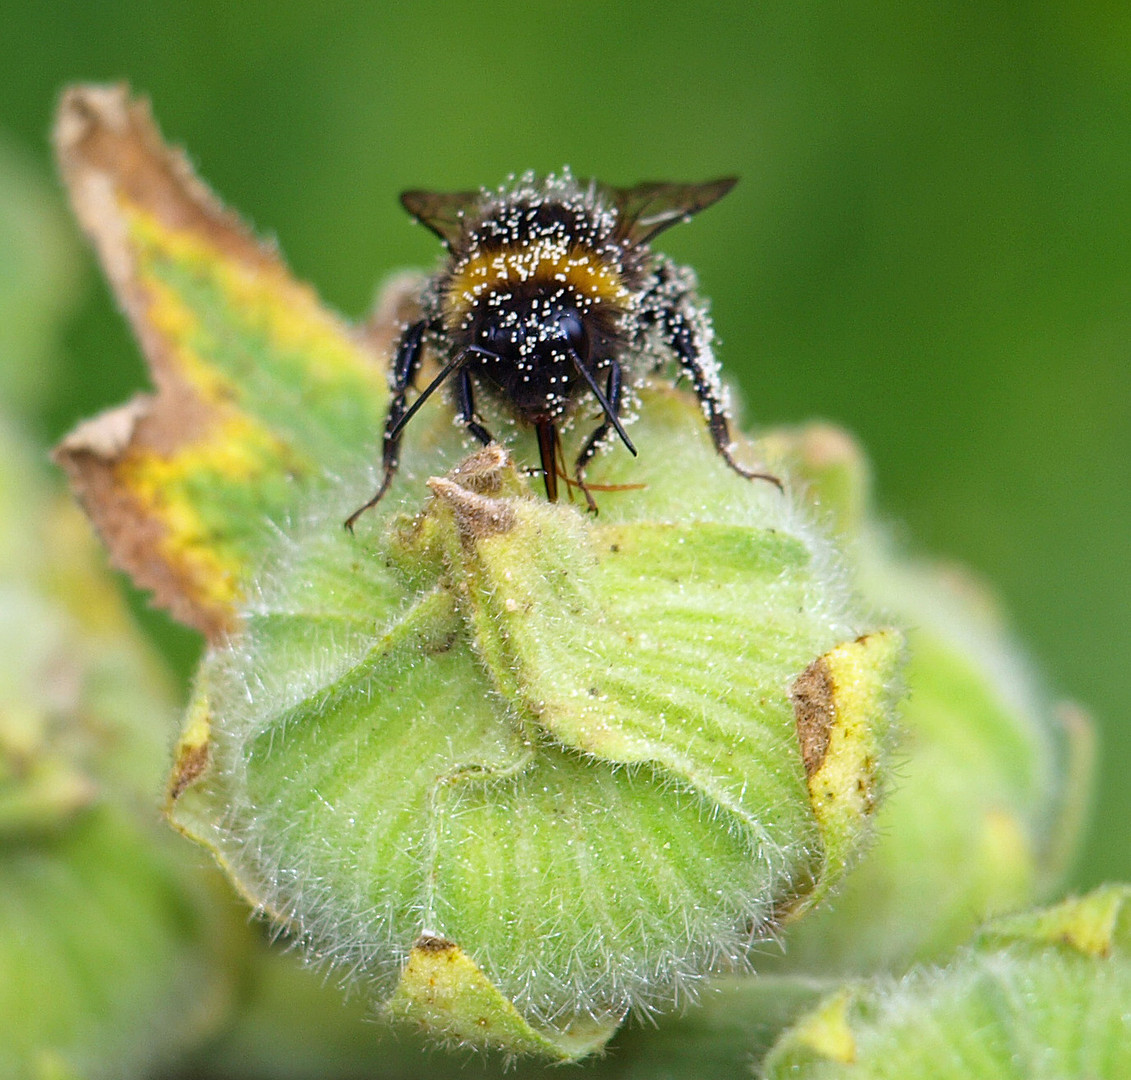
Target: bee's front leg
(406, 363)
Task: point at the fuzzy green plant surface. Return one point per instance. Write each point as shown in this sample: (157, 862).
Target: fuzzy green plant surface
(510, 771)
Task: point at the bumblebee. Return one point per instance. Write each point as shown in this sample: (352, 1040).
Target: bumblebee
(550, 293)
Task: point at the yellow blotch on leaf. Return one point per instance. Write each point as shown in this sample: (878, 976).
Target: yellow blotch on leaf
(842, 781)
(444, 991)
(236, 451)
(1088, 924)
(826, 1031)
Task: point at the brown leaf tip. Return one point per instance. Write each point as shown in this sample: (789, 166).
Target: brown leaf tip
(109, 148)
(83, 108)
(814, 711)
(469, 491)
(429, 943)
(107, 435)
(192, 762)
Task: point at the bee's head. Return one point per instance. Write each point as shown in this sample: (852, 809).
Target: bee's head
(532, 347)
(536, 331)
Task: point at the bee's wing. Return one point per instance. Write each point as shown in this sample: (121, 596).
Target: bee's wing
(648, 209)
(440, 212)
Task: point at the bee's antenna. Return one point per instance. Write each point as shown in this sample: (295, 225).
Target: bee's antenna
(450, 368)
(602, 400)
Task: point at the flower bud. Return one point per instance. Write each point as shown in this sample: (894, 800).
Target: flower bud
(517, 768)
(522, 769)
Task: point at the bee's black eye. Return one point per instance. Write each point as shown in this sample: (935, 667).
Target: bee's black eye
(572, 328)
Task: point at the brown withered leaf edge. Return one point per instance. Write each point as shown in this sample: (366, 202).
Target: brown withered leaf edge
(109, 150)
(814, 711)
(188, 767)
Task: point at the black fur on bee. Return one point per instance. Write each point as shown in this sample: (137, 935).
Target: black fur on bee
(550, 292)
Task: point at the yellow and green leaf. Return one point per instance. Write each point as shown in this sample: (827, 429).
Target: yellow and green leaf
(260, 392)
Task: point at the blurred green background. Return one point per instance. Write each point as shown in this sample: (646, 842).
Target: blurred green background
(931, 243)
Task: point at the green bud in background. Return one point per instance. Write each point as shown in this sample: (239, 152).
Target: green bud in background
(111, 950)
(111, 940)
(1044, 995)
(992, 776)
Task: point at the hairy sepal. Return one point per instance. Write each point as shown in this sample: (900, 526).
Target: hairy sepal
(993, 776)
